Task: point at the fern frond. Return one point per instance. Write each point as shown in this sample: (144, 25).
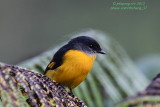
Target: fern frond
(114, 76)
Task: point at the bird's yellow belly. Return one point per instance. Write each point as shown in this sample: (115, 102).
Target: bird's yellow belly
(74, 68)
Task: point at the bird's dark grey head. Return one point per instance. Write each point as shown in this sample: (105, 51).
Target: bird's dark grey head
(86, 44)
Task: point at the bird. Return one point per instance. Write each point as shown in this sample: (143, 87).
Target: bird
(73, 61)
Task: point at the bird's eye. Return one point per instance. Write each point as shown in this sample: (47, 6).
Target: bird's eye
(90, 46)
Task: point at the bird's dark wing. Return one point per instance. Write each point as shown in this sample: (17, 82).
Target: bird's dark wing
(57, 58)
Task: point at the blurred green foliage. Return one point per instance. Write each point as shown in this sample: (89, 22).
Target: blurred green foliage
(30, 27)
(149, 65)
(113, 77)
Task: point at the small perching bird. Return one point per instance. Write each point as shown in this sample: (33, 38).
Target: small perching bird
(73, 61)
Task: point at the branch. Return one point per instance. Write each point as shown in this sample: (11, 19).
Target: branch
(150, 97)
(23, 88)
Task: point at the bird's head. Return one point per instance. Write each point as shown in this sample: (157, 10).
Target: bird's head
(86, 44)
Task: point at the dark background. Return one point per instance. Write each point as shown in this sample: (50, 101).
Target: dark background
(29, 27)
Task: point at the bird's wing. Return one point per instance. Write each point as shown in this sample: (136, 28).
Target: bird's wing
(57, 58)
(50, 66)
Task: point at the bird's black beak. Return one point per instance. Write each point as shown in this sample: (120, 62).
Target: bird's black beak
(101, 52)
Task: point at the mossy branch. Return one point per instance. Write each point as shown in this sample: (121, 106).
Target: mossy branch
(23, 88)
(150, 97)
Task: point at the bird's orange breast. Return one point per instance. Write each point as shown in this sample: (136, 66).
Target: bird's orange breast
(74, 68)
